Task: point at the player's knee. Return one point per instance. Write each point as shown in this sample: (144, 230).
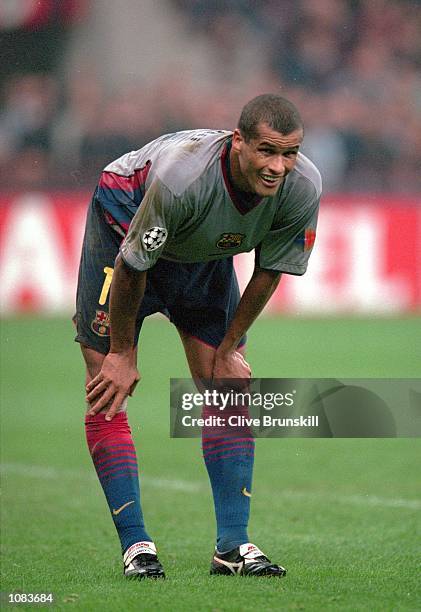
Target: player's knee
(93, 362)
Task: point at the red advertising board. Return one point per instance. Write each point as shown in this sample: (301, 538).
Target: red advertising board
(366, 258)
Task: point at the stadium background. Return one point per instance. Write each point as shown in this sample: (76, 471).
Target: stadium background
(83, 81)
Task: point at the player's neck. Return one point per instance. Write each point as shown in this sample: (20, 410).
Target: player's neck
(244, 200)
(235, 174)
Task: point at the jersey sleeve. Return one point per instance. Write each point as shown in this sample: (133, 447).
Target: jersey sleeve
(288, 244)
(154, 223)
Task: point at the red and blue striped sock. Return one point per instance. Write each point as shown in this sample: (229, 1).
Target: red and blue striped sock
(229, 457)
(114, 456)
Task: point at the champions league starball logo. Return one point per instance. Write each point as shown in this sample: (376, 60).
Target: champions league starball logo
(154, 237)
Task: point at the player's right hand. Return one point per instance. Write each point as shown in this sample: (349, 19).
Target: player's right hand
(116, 380)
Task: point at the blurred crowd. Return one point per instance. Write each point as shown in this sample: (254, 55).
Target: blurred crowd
(353, 68)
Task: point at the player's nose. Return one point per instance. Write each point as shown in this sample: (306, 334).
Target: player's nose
(277, 165)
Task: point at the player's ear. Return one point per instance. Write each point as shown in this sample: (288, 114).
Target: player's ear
(237, 140)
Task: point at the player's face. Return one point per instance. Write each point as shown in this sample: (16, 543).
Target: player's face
(261, 165)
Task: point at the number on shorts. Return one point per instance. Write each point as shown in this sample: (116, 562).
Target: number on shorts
(106, 286)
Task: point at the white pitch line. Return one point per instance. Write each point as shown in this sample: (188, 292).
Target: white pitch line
(185, 486)
(40, 471)
(358, 500)
(52, 473)
(374, 500)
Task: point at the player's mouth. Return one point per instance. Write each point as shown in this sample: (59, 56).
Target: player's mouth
(270, 181)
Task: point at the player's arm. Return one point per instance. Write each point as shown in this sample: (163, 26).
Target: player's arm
(229, 363)
(155, 220)
(285, 248)
(119, 375)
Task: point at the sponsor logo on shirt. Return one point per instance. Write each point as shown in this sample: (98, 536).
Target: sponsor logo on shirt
(230, 241)
(154, 237)
(101, 324)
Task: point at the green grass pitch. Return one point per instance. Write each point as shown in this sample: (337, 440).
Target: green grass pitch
(342, 515)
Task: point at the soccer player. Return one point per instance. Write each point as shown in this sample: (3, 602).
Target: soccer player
(164, 224)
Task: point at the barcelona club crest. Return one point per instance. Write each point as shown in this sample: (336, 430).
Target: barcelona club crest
(101, 324)
(230, 241)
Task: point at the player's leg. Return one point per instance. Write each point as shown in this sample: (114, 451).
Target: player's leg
(209, 301)
(202, 313)
(228, 456)
(110, 442)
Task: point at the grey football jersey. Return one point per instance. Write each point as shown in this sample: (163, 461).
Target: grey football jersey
(189, 212)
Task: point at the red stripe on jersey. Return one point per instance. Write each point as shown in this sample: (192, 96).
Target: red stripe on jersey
(112, 180)
(111, 221)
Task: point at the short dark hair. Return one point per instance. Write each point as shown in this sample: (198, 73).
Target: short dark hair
(279, 113)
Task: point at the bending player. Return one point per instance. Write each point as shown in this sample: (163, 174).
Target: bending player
(165, 222)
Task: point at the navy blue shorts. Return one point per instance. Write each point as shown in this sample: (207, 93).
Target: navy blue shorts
(199, 298)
